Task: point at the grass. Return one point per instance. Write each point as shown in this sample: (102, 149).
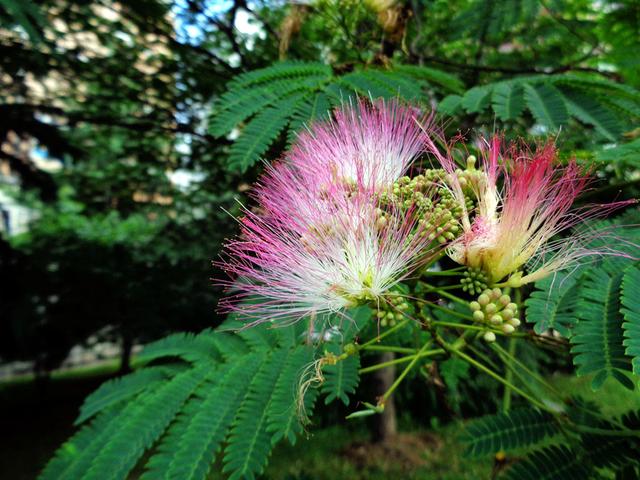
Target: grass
(339, 452)
(36, 419)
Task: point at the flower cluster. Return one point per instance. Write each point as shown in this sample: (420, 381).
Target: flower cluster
(347, 215)
(510, 228)
(327, 235)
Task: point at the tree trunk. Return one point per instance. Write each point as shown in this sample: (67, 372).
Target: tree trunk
(385, 425)
(125, 353)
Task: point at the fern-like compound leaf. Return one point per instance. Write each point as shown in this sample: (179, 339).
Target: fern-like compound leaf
(249, 443)
(506, 431)
(551, 463)
(552, 305)
(597, 344)
(341, 379)
(508, 100)
(547, 105)
(631, 311)
(261, 132)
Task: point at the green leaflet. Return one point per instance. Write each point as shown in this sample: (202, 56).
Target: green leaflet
(507, 100)
(507, 431)
(546, 104)
(552, 305)
(597, 341)
(631, 311)
(551, 463)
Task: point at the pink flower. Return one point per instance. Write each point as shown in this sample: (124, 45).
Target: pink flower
(323, 241)
(369, 144)
(512, 227)
(287, 269)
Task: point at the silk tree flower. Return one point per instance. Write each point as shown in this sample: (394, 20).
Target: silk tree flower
(286, 269)
(371, 144)
(511, 227)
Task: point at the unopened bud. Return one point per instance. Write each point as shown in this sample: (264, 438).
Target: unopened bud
(491, 308)
(495, 293)
(512, 306)
(515, 322)
(489, 337)
(483, 299)
(507, 314)
(504, 300)
(496, 319)
(471, 162)
(474, 306)
(478, 316)
(508, 328)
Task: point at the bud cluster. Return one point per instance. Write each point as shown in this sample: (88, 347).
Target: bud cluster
(438, 215)
(470, 177)
(474, 281)
(495, 309)
(392, 310)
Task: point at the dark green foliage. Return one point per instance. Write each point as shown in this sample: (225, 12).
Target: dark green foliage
(626, 154)
(553, 304)
(124, 388)
(597, 338)
(218, 388)
(290, 95)
(508, 101)
(631, 311)
(553, 99)
(263, 130)
(341, 380)
(602, 445)
(551, 463)
(546, 104)
(508, 431)
(284, 416)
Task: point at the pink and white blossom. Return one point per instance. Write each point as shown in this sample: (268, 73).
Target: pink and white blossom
(285, 269)
(371, 144)
(512, 226)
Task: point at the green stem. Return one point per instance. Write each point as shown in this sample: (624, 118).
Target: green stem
(452, 297)
(389, 348)
(448, 310)
(501, 351)
(608, 433)
(440, 289)
(383, 335)
(464, 326)
(455, 272)
(497, 377)
(404, 373)
(379, 366)
(508, 376)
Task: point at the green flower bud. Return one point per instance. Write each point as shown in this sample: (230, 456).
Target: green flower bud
(474, 306)
(478, 316)
(471, 162)
(507, 314)
(496, 320)
(512, 306)
(504, 300)
(483, 299)
(496, 293)
(491, 308)
(508, 328)
(489, 337)
(515, 322)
